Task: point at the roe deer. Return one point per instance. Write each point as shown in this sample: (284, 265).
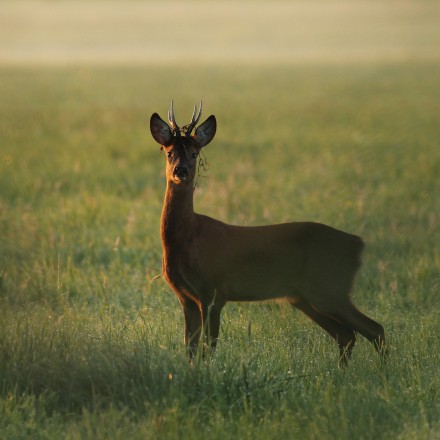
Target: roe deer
(207, 262)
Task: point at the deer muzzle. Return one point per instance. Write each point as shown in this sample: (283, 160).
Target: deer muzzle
(180, 173)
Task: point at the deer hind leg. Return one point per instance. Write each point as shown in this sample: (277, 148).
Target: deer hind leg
(366, 326)
(193, 325)
(344, 335)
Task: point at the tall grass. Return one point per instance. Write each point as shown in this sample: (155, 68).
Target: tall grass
(91, 341)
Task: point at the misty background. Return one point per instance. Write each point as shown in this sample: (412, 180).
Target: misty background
(196, 31)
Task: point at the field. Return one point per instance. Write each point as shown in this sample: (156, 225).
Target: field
(91, 340)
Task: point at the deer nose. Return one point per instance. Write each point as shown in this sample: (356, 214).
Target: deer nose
(181, 172)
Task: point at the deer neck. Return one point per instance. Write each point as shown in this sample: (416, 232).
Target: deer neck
(178, 217)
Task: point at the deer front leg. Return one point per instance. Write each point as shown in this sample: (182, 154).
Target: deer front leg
(211, 325)
(193, 326)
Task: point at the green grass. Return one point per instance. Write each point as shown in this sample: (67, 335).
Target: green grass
(92, 347)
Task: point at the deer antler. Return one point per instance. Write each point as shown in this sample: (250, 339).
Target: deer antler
(172, 119)
(194, 119)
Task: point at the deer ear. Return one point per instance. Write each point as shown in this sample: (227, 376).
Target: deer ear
(206, 132)
(160, 130)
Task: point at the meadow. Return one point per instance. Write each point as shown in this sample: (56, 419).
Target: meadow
(91, 340)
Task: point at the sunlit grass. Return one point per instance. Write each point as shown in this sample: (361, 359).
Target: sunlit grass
(91, 342)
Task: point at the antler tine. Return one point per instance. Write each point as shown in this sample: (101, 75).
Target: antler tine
(172, 119)
(194, 119)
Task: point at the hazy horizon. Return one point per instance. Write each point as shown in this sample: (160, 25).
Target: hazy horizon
(164, 32)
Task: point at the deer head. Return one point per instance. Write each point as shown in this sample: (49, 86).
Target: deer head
(180, 145)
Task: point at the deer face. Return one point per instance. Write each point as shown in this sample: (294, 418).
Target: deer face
(182, 148)
(181, 160)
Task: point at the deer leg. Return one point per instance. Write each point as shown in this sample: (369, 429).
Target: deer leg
(193, 326)
(364, 325)
(211, 325)
(344, 335)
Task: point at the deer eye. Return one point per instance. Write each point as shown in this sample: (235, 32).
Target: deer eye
(169, 154)
(194, 155)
